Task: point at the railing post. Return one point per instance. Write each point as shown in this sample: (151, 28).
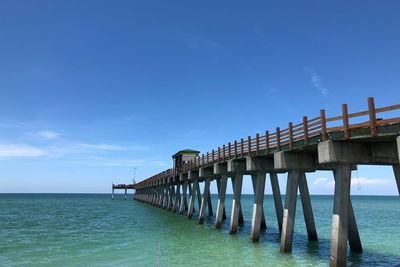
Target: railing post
(345, 115)
(290, 128)
(229, 150)
(324, 134)
(235, 149)
(207, 158)
(266, 142)
(212, 155)
(372, 116)
(257, 144)
(242, 147)
(305, 130)
(278, 138)
(219, 154)
(223, 152)
(249, 146)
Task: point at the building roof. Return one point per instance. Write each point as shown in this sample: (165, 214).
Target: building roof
(186, 151)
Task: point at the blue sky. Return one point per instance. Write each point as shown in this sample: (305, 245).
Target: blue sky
(91, 89)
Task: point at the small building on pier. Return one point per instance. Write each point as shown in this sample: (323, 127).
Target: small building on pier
(183, 157)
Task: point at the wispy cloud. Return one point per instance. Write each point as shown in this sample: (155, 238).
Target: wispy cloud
(46, 134)
(362, 181)
(195, 41)
(272, 91)
(259, 33)
(123, 162)
(316, 81)
(320, 181)
(104, 147)
(20, 150)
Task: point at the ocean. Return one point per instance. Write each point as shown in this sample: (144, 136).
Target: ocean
(93, 230)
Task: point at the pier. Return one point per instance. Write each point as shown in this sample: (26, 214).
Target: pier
(122, 186)
(336, 144)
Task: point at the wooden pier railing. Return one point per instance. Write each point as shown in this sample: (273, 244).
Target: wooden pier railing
(308, 132)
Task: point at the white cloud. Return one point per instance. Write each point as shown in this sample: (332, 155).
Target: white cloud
(46, 134)
(118, 162)
(316, 81)
(196, 41)
(104, 147)
(320, 181)
(362, 181)
(366, 181)
(20, 150)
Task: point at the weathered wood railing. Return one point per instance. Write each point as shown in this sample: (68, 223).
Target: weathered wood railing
(299, 134)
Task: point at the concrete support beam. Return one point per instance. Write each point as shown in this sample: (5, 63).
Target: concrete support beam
(398, 147)
(176, 198)
(190, 187)
(236, 166)
(258, 207)
(254, 182)
(353, 234)
(240, 219)
(221, 200)
(254, 164)
(192, 196)
(277, 199)
(218, 180)
(183, 197)
(396, 170)
(154, 200)
(294, 161)
(289, 211)
(307, 209)
(166, 196)
(204, 200)
(205, 172)
(198, 195)
(236, 202)
(358, 152)
(209, 206)
(171, 197)
(340, 216)
(160, 195)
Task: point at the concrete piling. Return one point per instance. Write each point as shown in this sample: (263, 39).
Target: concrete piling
(221, 201)
(254, 183)
(396, 170)
(176, 198)
(307, 209)
(290, 211)
(340, 216)
(277, 199)
(183, 197)
(192, 197)
(236, 203)
(209, 206)
(258, 206)
(204, 200)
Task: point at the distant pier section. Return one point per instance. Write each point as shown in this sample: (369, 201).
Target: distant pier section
(122, 186)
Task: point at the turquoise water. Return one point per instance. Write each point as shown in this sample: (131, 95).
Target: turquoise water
(82, 230)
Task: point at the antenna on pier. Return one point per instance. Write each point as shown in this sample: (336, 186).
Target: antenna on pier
(134, 175)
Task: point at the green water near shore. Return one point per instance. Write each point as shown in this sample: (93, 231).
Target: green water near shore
(93, 230)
